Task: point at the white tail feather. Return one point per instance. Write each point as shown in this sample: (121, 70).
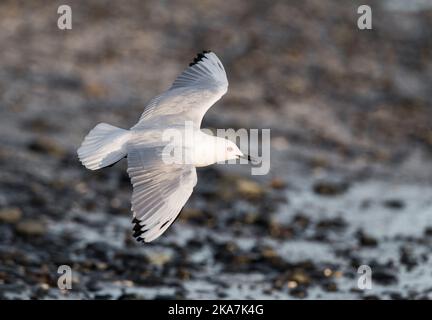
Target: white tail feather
(103, 146)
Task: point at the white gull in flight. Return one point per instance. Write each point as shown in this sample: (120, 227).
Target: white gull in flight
(161, 188)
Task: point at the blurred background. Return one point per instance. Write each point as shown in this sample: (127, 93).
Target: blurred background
(350, 182)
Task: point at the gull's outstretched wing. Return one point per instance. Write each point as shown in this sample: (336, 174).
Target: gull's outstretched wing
(194, 91)
(159, 191)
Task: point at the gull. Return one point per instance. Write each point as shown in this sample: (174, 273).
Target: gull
(161, 188)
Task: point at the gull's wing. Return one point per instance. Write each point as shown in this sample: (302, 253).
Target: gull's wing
(194, 91)
(159, 190)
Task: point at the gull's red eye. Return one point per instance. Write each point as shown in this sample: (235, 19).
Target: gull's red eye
(230, 149)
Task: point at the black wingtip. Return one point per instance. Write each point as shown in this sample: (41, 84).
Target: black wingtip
(138, 230)
(137, 233)
(199, 57)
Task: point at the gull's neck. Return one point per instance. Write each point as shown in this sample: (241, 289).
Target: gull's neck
(207, 149)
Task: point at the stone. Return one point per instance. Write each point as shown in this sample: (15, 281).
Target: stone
(10, 215)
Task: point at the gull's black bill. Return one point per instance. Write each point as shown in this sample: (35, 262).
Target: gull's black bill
(248, 158)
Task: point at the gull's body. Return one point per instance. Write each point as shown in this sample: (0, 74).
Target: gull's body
(161, 189)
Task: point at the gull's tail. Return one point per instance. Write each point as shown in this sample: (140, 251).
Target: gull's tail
(103, 146)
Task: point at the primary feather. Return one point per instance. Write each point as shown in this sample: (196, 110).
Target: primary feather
(194, 91)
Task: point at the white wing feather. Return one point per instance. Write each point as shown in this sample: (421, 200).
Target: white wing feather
(193, 92)
(159, 191)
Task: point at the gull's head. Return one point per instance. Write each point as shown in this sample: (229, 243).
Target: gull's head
(226, 150)
(232, 151)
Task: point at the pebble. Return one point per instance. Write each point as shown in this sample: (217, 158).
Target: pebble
(159, 259)
(330, 188)
(366, 240)
(328, 272)
(190, 213)
(249, 189)
(47, 146)
(31, 228)
(395, 204)
(300, 277)
(277, 184)
(10, 215)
